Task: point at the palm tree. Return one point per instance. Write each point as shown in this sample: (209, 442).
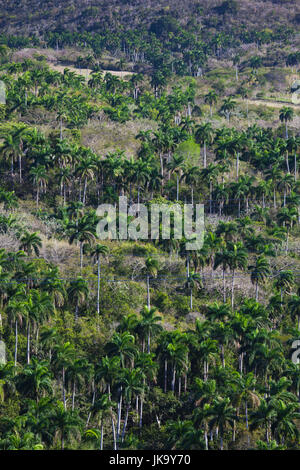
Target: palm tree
(35, 378)
(148, 326)
(40, 177)
(190, 176)
(227, 107)
(274, 175)
(192, 280)
(12, 147)
(122, 345)
(96, 252)
(286, 183)
(284, 424)
(210, 174)
(107, 371)
(77, 371)
(49, 338)
(294, 308)
(39, 308)
(177, 351)
(237, 259)
(101, 407)
(287, 217)
(65, 421)
(86, 170)
(263, 416)
(207, 349)
(78, 293)
(151, 269)
(30, 242)
(175, 166)
(221, 415)
(83, 231)
(132, 384)
(63, 358)
(259, 272)
(246, 392)
(286, 114)
(16, 310)
(204, 136)
(211, 98)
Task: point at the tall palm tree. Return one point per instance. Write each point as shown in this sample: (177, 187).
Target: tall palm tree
(102, 408)
(228, 106)
(148, 326)
(132, 384)
(259, 272)
(17, 311)
(78, 293)
(294, 308)
(86, 170)
(204, 135)
(65, 421)
(284, 423)
(237, 259)
(175, 166)
(211, 98)
(64, 355)
(287, 217)
(221, 415)
(39, 177)
(107, 372)
(82, 230)
(151, 269)
(193, 280)
(286, 114)
(96, 252)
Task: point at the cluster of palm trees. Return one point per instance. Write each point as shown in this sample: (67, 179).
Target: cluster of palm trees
(72, 377)
(247, 383)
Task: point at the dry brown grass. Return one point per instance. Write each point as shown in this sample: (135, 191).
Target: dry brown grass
(108, 136)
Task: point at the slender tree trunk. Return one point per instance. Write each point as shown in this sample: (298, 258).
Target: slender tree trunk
(101, 439)
(81, 255)
(173, 378)
(93, 402)
(84, 191)
(119, 417)
(125, 423)
(165, 376)
(148, 291)
(112, 420)
(20, 168)
(28, 343)
(16, 343)
(232, 290)
(224, 287)
(287, 162)
(63, 388)
(98, 287)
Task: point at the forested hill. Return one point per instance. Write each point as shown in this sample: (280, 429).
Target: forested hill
(33, 16)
